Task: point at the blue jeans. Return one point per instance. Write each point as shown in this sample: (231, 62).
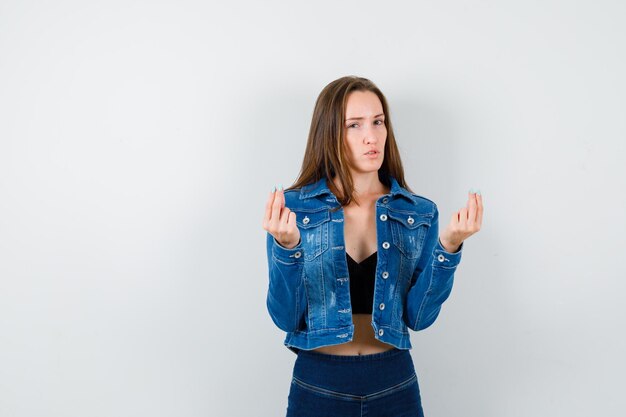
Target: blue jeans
(377, 385)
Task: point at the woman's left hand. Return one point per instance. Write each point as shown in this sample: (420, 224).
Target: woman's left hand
(463, 223)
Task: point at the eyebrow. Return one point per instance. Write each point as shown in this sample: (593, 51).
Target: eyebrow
(359, 118)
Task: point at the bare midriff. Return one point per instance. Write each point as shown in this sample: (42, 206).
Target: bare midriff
(363, 342)
(360, 239)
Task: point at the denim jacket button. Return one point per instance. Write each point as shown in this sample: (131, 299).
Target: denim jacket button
(382, 306)
(386, 245)
(385, 200)
(380, 332)
(440, 258)
(410, 220)
(385, 274)
(297, 254)
(383, 217)
(305, 220)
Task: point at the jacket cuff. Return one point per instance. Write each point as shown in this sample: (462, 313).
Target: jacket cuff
(446, 259)
(287, 255)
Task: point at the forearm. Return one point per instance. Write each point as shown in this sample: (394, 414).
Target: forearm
(286, 300)
(431, 282)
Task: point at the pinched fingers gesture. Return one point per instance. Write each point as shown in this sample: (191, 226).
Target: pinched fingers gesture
(463, 223)
(280, 221)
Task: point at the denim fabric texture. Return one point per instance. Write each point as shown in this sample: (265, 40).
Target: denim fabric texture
(308, 294)
(382, 384)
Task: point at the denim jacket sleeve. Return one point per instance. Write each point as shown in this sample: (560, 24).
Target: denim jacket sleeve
(432, 280)
(286, 298)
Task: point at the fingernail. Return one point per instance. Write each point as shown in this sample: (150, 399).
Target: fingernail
(281, 187)
(478, 192)
(273, 188)
(471, 191)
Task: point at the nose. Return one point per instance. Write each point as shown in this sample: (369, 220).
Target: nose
(370, 136)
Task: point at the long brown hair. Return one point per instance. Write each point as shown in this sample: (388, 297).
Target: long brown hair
(325, 154)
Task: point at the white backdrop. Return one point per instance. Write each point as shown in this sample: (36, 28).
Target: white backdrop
(139, 141)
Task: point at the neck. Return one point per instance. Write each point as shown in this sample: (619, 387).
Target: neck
(365, 184)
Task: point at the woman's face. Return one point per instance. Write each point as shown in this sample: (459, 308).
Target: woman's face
(365, 130)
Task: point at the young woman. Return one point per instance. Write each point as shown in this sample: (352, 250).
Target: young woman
(355, 260)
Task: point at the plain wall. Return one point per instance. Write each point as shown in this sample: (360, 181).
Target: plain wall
(139, 141)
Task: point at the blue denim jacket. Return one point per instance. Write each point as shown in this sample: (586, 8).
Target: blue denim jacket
(309, 291)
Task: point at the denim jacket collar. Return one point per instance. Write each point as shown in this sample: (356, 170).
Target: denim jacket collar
(320, 187)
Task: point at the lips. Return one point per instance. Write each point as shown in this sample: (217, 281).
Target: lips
(371, 150)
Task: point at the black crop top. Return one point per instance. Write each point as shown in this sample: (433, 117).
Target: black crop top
(362, 283)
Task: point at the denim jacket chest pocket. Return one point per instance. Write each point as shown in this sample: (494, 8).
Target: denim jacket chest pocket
(313, 227)
(408, 230)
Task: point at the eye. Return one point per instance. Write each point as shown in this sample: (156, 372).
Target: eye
(353, 124)
(382, 122)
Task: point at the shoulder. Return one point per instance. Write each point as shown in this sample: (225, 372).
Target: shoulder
(424, 205)
(295, 202)
(292, 196)
(419, 204)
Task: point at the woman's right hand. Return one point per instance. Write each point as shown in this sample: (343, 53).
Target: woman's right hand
(279, 221)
